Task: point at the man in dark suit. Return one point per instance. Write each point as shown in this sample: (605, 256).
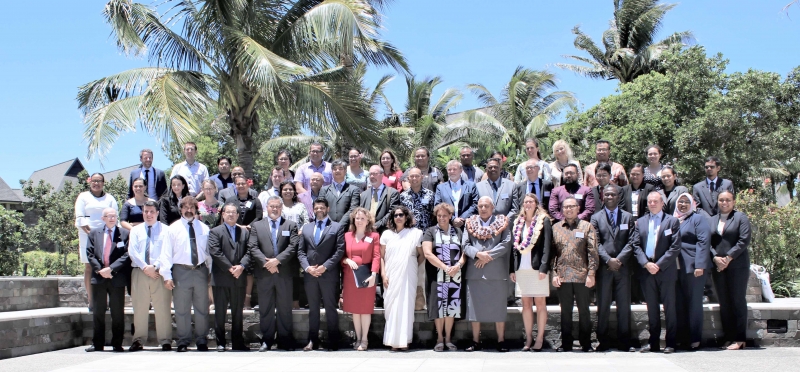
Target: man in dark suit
(320, 254)
(229, 194)
(656, 243)
(602, 175)
(461, 194)
(705, 192)
(532, 184)
(613, 226)
(273, 246)
(379, 199)
(227, 245)
(107, 251)
(154, 178)
(341, 196)
(499, 189)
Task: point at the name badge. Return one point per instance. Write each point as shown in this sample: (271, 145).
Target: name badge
(547, 193)
(579, 196)
(623, 226)
(667, 232)
(392, 178)
(284, 233)
(579, 234)
(368, 239)
(503, 196)
(120, 244)
(248, 204)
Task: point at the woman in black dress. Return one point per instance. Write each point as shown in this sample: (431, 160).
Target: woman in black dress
(131, 213)
(169, 210)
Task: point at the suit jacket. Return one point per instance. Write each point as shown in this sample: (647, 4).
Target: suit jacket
(389, 199)
(120, 263)
(734, 241)
(229, 195)
(247, 215)
(670, 202)
(327, 253)
(467, 203)
(504, 202)
(667, 246)
(598, 199)
(226, 253)
(585, 202)
(695, 243)
(498, 246)
(613, 242)
(706, 199)
(261, 248)
(540, 255)
(644, 190)
(341, 204)
(161, 182)
(521, 189)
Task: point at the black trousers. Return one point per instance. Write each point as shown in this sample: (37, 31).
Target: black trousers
(106, 295)
(325, 290)
(660, 291)
(567, 294)
(614, 285)
(731, 287)
(275, 292)
(222, 297)
(689, 306)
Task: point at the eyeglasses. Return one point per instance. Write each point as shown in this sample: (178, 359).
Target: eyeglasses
(570, 207)
(315, 151)
(710, 166)
(400, 215)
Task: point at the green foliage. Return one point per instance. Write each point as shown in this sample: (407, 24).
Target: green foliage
(775, 239)
(12, 239)
(41, 264)
(695, 110)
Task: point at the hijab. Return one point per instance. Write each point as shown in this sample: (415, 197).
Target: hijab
(683, 216)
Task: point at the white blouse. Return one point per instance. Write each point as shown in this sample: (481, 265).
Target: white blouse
(89, 209)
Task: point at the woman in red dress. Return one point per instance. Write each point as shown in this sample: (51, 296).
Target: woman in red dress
(362, 247)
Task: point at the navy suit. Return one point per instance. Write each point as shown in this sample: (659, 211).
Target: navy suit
(104, 289)
(160, 179)
(659, 288)
(695, 242)
(226, 253)
(467, 203)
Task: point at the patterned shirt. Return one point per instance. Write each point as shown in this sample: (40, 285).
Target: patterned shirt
(575, 250)
(421, 205)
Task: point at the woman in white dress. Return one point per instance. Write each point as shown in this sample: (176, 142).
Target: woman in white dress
(89, 215)
(401, 254)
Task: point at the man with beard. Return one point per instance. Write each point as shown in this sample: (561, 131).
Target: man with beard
(571, 189)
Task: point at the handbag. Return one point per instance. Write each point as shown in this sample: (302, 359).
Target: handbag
(763, 278)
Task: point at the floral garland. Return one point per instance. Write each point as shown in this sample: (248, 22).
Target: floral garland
(476, 228)
(533, 232)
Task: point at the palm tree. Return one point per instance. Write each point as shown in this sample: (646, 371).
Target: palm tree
(630, 49)
(292, 58)
(526, 108)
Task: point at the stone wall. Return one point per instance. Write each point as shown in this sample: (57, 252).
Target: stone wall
(31, 335)
(23, 293)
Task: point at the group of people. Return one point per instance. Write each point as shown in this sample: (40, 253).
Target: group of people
(333, 233)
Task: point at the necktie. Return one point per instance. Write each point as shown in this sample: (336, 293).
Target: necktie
(147, 247)
(275, 238)
(338, 189)
(651, 239)
(107, 250)
(494, 189)
(713, 186)
(147, 182)
(532, 189)
(373, 206)
(600, 192)
(193, 245)
(318, 232)
(613, 220)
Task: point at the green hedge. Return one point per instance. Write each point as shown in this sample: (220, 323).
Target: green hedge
(41, 264)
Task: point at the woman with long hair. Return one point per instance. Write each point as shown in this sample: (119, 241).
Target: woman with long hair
(362, 248)
(131, 213)
(563, 155)
(168, 205)
(392, 174)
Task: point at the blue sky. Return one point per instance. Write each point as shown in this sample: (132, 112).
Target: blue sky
(49, 48)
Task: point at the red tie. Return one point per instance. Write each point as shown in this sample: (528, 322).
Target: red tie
(107, 249)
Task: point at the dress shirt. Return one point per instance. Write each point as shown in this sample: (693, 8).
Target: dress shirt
(319, 226)
(194, 174)
(537, 190)
(469, 170)
(265, 195)
(274, 226)
(655, 223)
(612, 215)
(108, 244)
(338, 186)
(380, 190)
(138, 244)
(304, 172)
(455, 188)
(176, 249)
(231, 231)
(710, 182)
(151, 181)
(575, 253)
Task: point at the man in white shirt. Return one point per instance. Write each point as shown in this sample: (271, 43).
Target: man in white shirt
(277, 177)
(144, 250)
(184, 264)
(194, 172)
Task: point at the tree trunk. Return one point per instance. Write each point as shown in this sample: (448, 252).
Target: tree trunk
(242, 131)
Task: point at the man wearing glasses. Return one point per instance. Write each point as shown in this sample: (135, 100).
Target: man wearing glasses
(706, 191)
(315, 164)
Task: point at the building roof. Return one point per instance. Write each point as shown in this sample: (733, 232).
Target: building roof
(21, 195)
(7, 194)
(124, 172)
(58, 174)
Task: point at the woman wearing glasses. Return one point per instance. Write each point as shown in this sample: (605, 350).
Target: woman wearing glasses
(401, 254)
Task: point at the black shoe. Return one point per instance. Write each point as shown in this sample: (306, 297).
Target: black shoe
(118, 349)
(93, 349)
(220, 348)
(182, 348)
(333, 346)
(475, 346)
(240, 348)
(669, 350)
(166, 347)
(264, 347)
(136, 346)
(587, 349)
(602, 348)
(202, 347)
(502, 347)
(562, 349)
(631, 349)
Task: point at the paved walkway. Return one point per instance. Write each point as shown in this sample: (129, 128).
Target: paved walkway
(75, 359)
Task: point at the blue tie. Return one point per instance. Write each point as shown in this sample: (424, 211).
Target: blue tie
(650, 251)
(318, 233)
(275, 237)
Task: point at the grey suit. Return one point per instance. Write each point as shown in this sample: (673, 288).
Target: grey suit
(486, 287)
(226, 253)
(614, 242)
(503, 199)
(598, 198)
(341, 203)
(388, 199)
(522, 189)
(229, 195)
(467, 203)
(669, 202)
(706, 199)
(476, 176)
